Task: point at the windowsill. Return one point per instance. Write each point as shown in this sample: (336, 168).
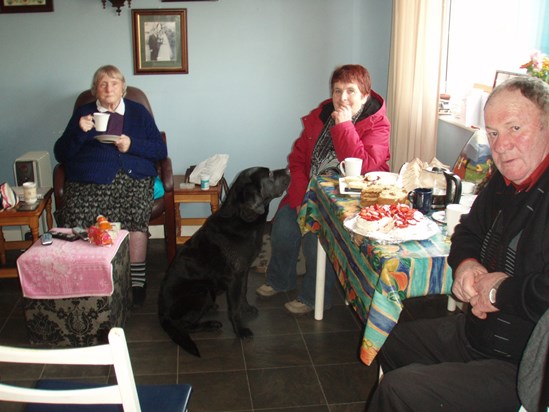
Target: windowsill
(448, 118)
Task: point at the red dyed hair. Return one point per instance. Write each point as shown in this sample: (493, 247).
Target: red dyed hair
(353, 73)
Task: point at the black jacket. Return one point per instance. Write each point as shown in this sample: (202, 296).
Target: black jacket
(508, 232)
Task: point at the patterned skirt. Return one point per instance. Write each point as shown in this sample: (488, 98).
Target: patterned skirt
(125, 200)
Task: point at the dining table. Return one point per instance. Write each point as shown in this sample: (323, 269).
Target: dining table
(376, 276)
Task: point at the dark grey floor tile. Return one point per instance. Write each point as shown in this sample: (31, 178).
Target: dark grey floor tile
(14, 371)
(285, 387)
(98, 373)
(218, 391)
(316, 408)
(276, 351)
(157, 379)
(337, 319)
(153, 358)
(144, 327)
(216, 355)
(349, 407)
(347, 383)
(272, 322)
(336, 347)
(14, 332)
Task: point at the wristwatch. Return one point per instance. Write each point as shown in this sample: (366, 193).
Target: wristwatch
(492, 295)
(493, 291)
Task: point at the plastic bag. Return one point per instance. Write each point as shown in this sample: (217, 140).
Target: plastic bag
(8, 197)
(213, 166)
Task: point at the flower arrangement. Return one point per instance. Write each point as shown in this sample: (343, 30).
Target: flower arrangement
(538, 66)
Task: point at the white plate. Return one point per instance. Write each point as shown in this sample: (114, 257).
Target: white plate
(422, 230)
(344, 189)
(384, 178)
(439, 217)
(107, 138)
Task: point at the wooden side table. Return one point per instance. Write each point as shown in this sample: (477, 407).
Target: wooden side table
(195, 195)
(12, 217)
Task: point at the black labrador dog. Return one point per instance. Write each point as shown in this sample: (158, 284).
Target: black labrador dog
(217, 259)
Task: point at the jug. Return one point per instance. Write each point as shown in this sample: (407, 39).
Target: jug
(450, 193)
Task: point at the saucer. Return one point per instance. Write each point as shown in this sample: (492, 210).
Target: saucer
(107, 138)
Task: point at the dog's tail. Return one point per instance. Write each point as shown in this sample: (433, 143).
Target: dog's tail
(181, 337)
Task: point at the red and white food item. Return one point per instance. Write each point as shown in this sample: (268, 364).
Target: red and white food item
(383, 218)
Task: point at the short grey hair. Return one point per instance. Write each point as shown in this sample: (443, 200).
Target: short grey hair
(111, 71)
(532, 88)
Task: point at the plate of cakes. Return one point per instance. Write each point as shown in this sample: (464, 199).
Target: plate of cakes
(353, 185)
(391, 223)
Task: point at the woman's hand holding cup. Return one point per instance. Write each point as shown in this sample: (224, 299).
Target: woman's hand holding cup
(86, 123)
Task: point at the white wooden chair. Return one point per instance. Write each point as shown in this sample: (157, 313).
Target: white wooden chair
(166, 398)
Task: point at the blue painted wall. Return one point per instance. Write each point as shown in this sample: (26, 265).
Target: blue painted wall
(255, 67)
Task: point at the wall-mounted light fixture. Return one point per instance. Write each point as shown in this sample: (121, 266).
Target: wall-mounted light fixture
(117, 3)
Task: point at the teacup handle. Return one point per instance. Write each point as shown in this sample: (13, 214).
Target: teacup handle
(412, 197)
(342, 167)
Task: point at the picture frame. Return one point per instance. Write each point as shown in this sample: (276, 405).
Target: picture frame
(160, 41)
(25, 6)
(502, 75)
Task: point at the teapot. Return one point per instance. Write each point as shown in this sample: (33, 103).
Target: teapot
(450, 193)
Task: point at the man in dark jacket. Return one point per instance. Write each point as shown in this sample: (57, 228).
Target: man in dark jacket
(500, 259)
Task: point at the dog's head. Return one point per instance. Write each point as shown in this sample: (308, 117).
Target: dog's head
(253, 190)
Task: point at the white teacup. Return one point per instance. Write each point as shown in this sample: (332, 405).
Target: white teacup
(453, 216)
(351, 166)
(101, 120)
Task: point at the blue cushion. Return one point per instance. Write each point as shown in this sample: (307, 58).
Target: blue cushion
(165, 398)
(158, 188)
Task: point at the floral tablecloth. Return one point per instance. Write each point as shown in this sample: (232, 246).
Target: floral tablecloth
(375, 277)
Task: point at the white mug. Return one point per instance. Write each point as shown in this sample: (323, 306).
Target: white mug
(467, 188)
(351, 166)
(29, 192)
(454, 211)
(101, 120)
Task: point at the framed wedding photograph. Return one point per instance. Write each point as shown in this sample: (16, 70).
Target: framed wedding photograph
(25, 6)
(160, 41)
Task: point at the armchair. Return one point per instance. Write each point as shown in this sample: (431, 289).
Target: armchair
(163, 212)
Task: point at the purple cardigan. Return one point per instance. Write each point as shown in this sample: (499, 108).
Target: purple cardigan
(90, 161)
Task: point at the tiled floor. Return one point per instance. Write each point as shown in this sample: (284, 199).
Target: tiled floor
(293, 364)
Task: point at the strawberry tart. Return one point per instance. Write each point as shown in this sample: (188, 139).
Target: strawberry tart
(384, 218)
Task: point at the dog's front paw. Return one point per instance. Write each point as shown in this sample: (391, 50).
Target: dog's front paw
(245, 333)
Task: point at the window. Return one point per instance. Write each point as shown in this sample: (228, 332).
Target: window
(485, 36)
(489, 35)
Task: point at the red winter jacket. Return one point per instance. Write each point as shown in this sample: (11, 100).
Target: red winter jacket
(367, 139)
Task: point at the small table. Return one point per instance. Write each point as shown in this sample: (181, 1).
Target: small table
(195, 195)
(12, 217)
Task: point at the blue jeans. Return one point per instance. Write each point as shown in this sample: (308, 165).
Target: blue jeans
(286, 239)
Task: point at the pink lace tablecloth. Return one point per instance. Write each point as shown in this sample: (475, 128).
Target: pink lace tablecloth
(67, 269)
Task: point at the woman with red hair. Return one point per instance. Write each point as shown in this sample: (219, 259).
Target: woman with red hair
(352, 123)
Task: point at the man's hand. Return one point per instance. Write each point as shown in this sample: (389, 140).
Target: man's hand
(464, 279)
(480, 304)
